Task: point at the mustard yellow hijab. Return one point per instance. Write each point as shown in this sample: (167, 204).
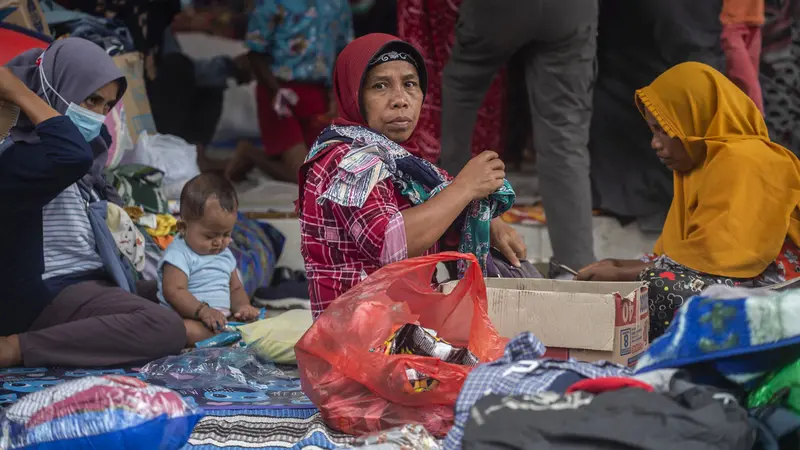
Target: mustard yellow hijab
(731, 214)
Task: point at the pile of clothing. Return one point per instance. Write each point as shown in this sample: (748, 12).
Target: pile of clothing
(724, 376)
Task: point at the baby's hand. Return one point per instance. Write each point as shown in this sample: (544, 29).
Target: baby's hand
(213, 319)
(247, 313)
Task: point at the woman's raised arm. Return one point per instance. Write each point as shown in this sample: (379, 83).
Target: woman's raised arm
(12, 89)
(425, 224)
(33, 173)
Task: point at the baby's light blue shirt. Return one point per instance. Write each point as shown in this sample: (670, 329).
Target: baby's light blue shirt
(209, 275)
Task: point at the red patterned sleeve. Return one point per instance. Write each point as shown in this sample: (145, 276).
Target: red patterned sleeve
(369, 224)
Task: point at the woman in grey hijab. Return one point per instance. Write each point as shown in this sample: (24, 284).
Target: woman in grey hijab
(61, 305)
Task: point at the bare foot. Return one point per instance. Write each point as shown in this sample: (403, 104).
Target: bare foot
(242, 161)
(10, 353)
(206, 164)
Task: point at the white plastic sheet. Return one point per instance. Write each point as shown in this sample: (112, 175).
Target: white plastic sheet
(170, 154)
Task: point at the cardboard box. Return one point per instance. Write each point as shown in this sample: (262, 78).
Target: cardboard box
(137, 112)
(27, 14)
(588, 321)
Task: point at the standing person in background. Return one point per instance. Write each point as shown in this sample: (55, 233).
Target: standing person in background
(559, 41)
(374, 16)
(518, 137)
(741, 41)
(293, 46)
(429, 25)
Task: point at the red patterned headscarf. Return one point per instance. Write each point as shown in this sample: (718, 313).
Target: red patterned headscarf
(351, 69)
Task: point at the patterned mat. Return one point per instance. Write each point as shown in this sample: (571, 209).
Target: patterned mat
(277, 417)
(16, 383)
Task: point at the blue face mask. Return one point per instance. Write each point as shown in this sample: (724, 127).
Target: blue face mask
(89, 123)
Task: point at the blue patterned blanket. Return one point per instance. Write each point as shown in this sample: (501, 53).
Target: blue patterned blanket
(257, 247)
(739, 336)
(16, 383)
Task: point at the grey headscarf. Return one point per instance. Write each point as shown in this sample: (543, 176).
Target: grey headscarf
(75, 68)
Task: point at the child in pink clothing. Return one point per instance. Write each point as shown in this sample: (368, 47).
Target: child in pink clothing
(741, 41)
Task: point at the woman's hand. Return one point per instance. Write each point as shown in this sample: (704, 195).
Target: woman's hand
(482, 176)
(602, 273)
(10, 86)
(504, 238)
(603, 263)
(612, 270)
(284, 102)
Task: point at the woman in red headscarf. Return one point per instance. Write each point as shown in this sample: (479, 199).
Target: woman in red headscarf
(366, 197)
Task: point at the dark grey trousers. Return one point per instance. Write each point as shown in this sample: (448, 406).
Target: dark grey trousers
(557, 39)
(94, 324)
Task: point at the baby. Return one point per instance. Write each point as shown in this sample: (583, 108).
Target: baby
(197, 274)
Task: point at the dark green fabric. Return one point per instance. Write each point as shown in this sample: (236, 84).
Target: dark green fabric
(140, 185)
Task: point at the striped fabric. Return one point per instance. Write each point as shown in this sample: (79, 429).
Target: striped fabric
(359, 171)
(269, 429)
(69, 245)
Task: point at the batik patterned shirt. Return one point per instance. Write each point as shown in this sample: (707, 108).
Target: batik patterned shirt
(302, 37)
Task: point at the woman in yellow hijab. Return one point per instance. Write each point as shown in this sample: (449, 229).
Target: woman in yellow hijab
(734, 217)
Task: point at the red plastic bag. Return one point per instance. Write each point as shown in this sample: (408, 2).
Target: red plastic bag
(359, 391)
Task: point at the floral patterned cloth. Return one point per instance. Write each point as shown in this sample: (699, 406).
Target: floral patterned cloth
(672, 284)
(129, 239)
(302, 37)
(371, 179)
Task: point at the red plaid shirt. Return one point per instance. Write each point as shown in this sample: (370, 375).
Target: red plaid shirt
(341, 243)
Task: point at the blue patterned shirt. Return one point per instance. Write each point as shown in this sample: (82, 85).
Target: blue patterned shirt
(303, 37)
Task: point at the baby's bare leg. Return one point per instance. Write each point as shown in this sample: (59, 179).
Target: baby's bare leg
(196, 331)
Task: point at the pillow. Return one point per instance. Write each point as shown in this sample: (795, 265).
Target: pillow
(274, 339)
(121, 141)
(99, 412)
